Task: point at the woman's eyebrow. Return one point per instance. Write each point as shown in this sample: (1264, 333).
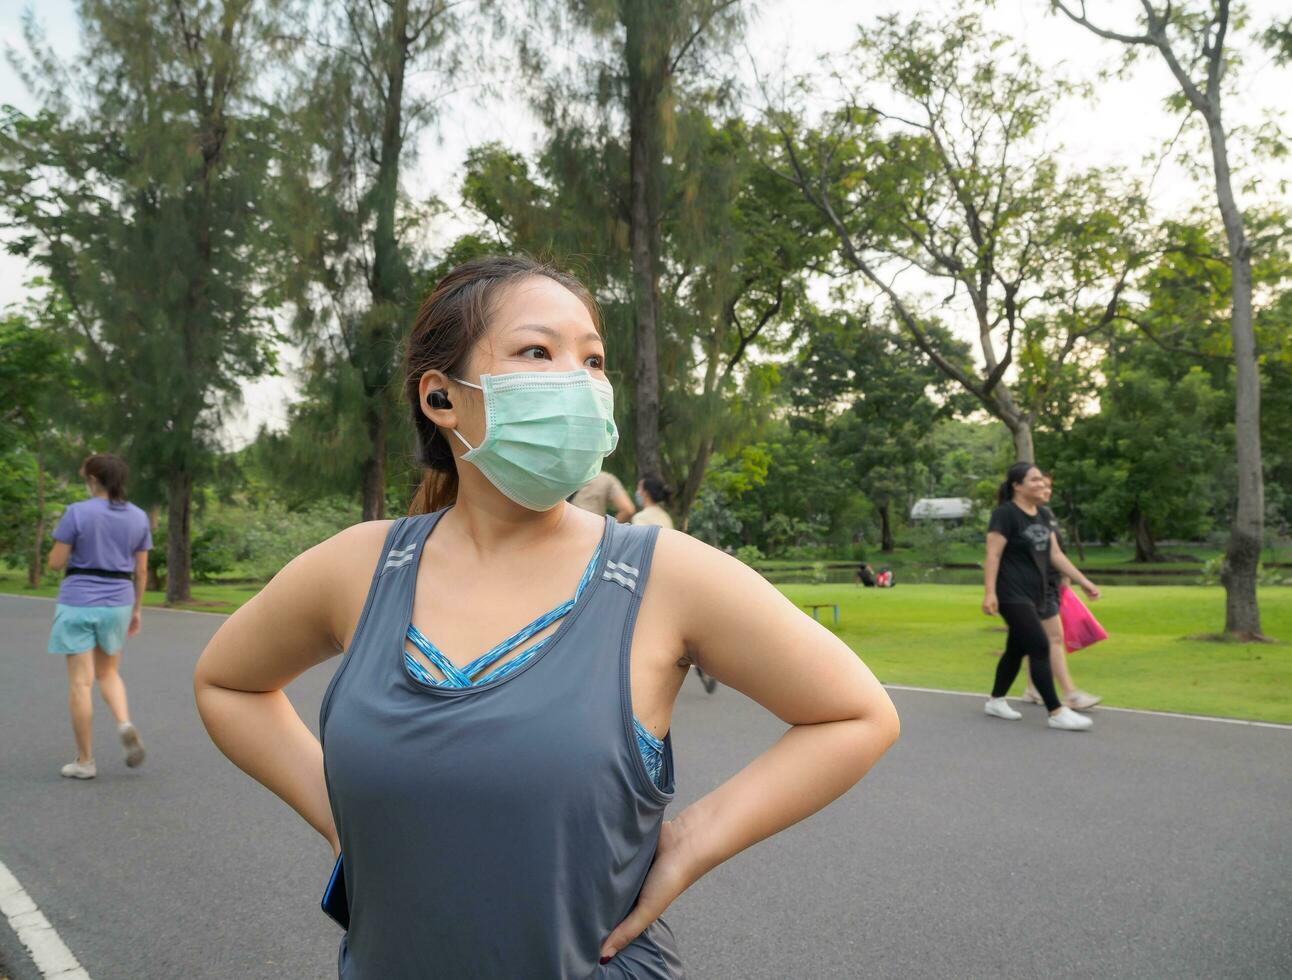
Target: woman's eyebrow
(555, 334)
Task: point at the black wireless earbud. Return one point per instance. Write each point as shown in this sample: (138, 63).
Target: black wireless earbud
(439, 398)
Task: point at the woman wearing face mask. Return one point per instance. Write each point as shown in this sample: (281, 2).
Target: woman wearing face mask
(500, 814)
(1021, 548)
(103, 543)
(651, 495)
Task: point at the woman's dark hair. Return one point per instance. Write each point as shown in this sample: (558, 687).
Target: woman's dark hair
(1015, 474)
(110, 472)
(452, 319)
(658, 490)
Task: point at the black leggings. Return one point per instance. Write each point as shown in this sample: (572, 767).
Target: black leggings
(1027, 638)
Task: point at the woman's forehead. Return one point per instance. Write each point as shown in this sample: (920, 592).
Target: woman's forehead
(543, 304)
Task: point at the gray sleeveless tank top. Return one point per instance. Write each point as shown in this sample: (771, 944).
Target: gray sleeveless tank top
(499, 831)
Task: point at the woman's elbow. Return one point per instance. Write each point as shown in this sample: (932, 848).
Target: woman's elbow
(881, 721)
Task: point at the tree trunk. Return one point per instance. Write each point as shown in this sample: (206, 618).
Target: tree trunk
(646, 79)
(886, 543)
(1024, 450)
(1243, 554)
(36, 565)
(388, 285)
(154, 583)
(178, 554)
(374, 467)
(694, 477)
(1145, 547)
(1075, 524)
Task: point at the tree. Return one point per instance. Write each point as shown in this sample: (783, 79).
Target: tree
(734, 273)
(868, 389)
(352, 233)
(1192, 44)
(654, 41)
(34, 374)
(1148, 460)
(947, 183)
(138, 189)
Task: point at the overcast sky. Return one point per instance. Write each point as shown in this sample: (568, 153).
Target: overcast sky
(1123, 124)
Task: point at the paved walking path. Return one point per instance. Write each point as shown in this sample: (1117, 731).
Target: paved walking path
(1152, 847)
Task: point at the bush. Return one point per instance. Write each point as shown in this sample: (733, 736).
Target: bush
(750, 554)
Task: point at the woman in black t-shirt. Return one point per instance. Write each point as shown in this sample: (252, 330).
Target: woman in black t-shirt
(1069, 693)
(1020, 550)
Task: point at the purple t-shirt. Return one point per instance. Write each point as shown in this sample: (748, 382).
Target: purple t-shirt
(102, 535)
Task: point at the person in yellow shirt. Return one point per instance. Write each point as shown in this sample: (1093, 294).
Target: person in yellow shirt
(603, 492)
(651, 495)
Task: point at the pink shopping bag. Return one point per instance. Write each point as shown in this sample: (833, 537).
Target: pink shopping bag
(1080, 628)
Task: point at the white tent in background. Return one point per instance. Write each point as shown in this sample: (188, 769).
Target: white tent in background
(941, 509)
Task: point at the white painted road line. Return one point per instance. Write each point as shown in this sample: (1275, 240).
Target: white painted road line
(1104, 707)
(48, 951)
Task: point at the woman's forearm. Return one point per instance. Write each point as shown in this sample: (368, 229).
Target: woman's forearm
(262, 735)
(810, 766)
(990, 568)
(1065, 567)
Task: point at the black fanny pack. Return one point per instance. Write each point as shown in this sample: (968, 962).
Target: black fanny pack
(100, 572)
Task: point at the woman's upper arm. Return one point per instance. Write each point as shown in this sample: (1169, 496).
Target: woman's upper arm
(744, 632)
(995, 543)
(301, 618)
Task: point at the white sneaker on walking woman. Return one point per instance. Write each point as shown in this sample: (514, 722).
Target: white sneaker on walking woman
(1067, 720)
(80, 770)
(1081, 701)
(131, 742)
(999, 708)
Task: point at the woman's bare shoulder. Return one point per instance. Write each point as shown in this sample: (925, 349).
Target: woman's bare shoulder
(337, 572)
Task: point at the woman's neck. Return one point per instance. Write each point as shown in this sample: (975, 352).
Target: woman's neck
(1028, 507)
(489, 522)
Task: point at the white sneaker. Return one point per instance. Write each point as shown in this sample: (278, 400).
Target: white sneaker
(1081, 701)
(80, 770)
(999, 708)
(130, 740)
(1067, 720)
(1032, 696)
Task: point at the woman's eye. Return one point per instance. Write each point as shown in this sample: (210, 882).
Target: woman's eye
(528, 351)
(596, 362)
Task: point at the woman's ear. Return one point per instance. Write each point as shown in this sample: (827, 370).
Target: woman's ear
(433, 397)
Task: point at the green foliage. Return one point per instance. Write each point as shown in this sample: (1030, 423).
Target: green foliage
(136, 190)
(255, 540)
(932, 164)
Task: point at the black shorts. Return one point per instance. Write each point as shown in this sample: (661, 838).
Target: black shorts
(1050, 607)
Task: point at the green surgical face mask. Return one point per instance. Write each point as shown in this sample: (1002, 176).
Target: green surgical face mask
(546, 433)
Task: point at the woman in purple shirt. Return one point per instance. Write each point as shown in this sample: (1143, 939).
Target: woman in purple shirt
(103, 544)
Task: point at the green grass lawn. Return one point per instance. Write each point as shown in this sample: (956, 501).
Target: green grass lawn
(935, 636)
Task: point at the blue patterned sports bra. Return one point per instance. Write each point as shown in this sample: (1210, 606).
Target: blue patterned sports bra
(650, 747)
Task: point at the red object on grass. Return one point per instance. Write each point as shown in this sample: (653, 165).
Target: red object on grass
(1080, 628)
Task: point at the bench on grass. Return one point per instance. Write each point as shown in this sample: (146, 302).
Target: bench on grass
(816, 607)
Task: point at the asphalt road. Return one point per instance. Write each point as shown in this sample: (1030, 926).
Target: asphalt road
(1151, 847)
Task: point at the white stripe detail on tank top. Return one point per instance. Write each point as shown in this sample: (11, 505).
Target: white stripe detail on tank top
(398, 558)
(628, 583)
